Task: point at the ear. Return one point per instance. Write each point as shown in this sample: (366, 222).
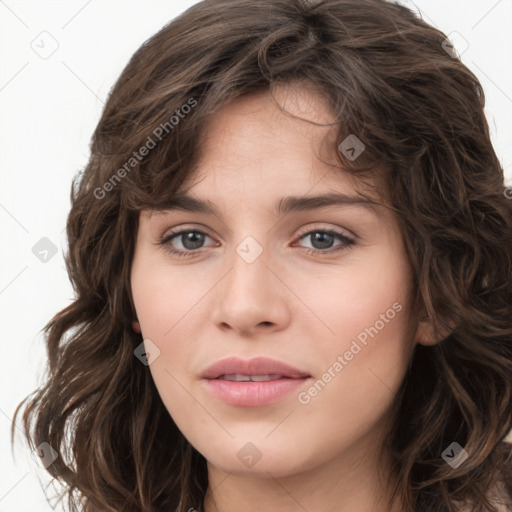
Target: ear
(427, 335)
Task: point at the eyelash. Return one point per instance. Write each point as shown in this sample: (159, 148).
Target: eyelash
(166, 246)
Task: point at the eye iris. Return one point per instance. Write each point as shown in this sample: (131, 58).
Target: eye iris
(196, 239)
(325, 240)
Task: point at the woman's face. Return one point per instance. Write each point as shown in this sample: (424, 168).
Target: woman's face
(324, 288)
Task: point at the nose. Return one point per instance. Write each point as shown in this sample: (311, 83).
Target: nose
(252, 297)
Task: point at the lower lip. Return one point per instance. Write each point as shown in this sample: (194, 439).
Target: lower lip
(252, 394)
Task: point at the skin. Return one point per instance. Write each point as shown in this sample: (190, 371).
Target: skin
(304, 309)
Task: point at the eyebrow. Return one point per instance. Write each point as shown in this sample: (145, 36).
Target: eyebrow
(284, 206)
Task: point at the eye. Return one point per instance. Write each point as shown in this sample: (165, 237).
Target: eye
(190, 240)
(323, 241)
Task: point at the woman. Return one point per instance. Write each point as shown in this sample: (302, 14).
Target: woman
(291, 251)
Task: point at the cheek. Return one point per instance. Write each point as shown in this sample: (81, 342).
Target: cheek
(353, 297)
(167, 305)
(362, 363)
(362, 313)
(170, 305)
(167, 299)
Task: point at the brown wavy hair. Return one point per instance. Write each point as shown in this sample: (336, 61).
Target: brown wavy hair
(420, 113)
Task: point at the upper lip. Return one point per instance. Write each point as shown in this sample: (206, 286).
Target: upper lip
(255, 366)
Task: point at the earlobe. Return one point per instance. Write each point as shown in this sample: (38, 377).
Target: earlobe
(426, 335)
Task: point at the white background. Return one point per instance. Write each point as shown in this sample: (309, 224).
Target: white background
(48, 111)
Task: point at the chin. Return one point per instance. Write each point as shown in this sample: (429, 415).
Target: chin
(260, 459)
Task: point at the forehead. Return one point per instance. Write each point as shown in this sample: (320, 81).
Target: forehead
(253, 156)
(251, 143)
(264, 120)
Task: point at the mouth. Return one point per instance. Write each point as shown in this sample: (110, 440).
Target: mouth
(256, 382)
(249, 393)
(235, 368)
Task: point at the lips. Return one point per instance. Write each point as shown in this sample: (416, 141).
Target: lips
(254, 383)
(252, 367)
